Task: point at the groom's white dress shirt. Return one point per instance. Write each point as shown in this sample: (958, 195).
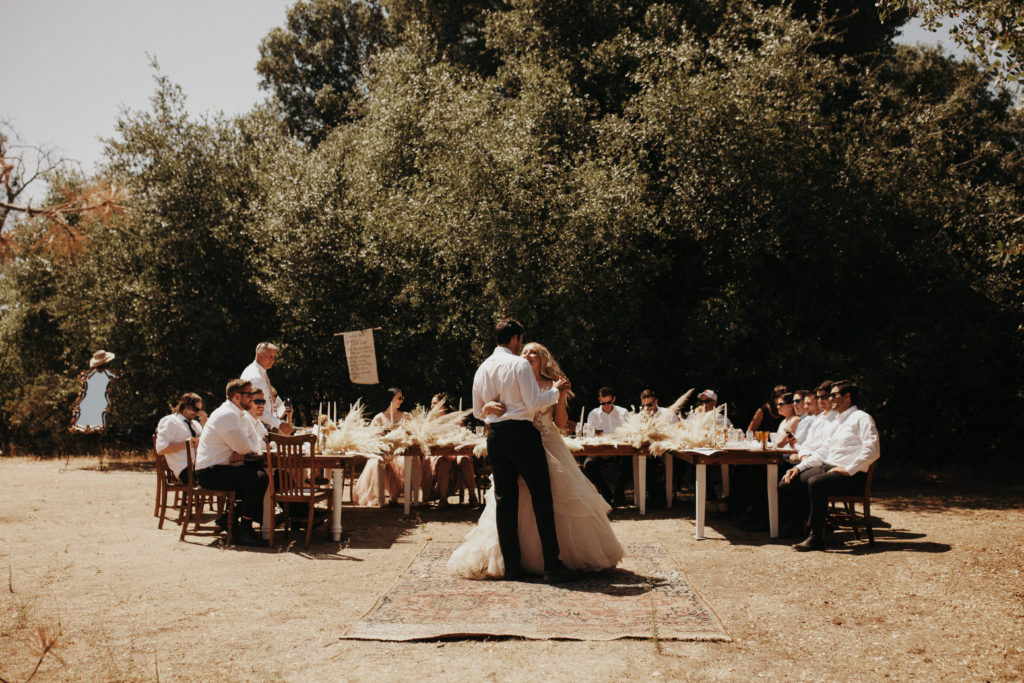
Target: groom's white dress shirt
(256, 375)
(508, 378)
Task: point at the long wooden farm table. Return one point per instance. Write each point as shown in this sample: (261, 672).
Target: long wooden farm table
(700, 458)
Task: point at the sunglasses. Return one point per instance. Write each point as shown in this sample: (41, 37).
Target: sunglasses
(705, 400)
(835, 394)
(606, 403)
(260, 401)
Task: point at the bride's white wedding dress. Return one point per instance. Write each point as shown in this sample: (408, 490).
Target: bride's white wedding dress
(585, 537)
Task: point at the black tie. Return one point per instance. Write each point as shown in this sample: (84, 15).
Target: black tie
(188, 423)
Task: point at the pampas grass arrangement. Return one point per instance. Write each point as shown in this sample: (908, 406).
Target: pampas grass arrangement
(433, 428)
(354, 433)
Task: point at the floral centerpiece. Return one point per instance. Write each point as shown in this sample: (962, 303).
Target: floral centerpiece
(433, 428)
(353, 433)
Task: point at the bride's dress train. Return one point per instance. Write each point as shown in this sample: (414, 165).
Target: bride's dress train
(585, 537)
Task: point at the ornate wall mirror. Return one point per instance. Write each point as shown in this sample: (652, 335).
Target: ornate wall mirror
(89, 414)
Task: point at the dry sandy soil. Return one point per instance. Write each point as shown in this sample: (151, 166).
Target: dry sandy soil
(941, 596)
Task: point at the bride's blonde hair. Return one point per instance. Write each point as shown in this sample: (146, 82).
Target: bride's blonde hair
(549, 368)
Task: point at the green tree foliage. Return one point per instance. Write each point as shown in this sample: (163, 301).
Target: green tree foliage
(314, 65)
(668, 195)
(991, 30)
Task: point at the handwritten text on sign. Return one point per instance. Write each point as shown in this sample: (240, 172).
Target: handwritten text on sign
(361, 357)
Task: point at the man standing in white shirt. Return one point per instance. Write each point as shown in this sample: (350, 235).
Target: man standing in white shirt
(514, 447)
(605, 419)
(256, 374)
(226, 438)
(841, 466)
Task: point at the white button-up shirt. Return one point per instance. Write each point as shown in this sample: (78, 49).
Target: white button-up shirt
(256, 375)
(804, 427)
(607, 422)
(852, 446)
(227, 431)
(817, 435)
(173, 429)
(508, 378)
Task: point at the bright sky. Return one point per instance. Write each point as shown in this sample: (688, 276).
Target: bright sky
(69, 67)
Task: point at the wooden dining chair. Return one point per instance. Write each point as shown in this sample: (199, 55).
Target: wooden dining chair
(291, 479)
(848, 513)
(166, 484)
(196, 495)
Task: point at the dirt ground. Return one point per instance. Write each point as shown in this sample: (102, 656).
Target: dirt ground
(941, 596)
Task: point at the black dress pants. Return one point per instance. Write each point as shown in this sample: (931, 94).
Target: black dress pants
(248, 483)
(818, 483)
(516, 450)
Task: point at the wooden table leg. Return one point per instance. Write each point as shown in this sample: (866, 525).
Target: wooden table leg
(773, 499)
(408, 482)
(669, 489)
(725, 481)
(268, 513)
(702, 495)
(642, 475)
(338, 476)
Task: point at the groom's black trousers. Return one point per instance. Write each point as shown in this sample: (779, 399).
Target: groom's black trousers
(515, 449)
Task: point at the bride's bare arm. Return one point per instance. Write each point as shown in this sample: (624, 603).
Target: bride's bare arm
(561, 413)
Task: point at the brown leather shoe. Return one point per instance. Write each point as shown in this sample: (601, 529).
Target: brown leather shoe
(812, 542)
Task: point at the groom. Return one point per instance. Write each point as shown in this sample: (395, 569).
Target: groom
(515, 448)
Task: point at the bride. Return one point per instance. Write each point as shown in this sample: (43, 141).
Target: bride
(585, 537)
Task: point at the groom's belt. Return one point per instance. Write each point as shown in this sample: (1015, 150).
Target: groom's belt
(498, 425)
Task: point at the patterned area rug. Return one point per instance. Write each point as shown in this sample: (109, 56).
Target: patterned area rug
(646, 596)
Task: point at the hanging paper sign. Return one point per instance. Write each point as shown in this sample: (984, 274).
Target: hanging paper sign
(361, 357)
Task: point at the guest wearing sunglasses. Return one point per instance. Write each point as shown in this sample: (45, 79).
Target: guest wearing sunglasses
(226, 439)
(183, 425)
(785, 435)
(255, 413)
(606, 473)
(840, 467)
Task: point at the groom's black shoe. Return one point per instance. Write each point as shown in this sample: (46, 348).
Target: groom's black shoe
(514, 574)
(561, 574)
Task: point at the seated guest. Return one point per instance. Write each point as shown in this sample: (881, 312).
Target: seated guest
(708, 400)
(767, 418)
(649, 402)
(820, 431)
(183, 425)
(747, 494)
(840, 467)
(785, 435)
(440, 467)
(607, 472)
(394, 470)
(655, 466)
(256, 374)
(806, 406)
(225, 440)
(255, 413)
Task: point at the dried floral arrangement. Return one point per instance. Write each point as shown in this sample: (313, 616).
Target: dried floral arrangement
(660, 433)
(353, 433)
(433, 428)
